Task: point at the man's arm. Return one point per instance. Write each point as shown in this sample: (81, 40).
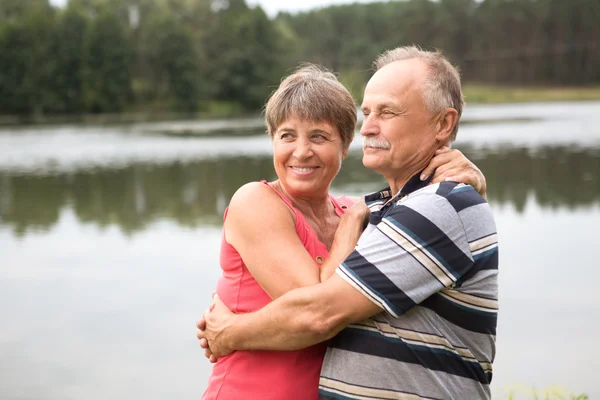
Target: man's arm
(298, 319)
(270, 225)
(402, 262)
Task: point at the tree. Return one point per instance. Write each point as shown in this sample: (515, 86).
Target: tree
(243, 47)
(178, 60)
(11, 10)
(27, 63)
(69, 49)
(108, 54)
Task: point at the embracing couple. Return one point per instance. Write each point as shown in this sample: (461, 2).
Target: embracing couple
(393, 297)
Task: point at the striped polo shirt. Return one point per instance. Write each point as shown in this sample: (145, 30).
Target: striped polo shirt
(429, 259)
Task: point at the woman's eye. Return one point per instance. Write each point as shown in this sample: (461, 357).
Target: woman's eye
(285, 136)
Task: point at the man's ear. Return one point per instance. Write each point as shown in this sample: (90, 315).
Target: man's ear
(446, 124)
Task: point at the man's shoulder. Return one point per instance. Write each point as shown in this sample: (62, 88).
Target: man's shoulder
(443, 206)
(457, 194)
(444, 196)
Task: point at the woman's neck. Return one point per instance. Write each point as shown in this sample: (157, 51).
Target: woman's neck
(315, 207)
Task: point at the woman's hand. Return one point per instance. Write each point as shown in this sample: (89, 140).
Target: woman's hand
(352, 224)
(451, 165)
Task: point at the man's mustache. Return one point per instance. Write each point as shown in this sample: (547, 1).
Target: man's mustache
(375, 143)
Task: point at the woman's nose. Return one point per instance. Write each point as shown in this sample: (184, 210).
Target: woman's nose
(303, 149)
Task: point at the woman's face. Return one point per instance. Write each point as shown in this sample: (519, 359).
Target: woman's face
(307, 156)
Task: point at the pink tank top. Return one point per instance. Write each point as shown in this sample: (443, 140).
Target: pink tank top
(266, 375)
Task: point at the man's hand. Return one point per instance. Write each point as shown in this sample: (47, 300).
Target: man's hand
(452, 165)
(201, 326)
(211, 330)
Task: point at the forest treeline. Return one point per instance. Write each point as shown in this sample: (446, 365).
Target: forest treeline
(111, 56)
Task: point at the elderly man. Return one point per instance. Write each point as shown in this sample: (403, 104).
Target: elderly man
(412, 310)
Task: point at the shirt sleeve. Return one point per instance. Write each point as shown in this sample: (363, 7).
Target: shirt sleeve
(417, 249)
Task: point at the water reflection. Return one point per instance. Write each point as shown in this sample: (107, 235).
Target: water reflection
(196, 193)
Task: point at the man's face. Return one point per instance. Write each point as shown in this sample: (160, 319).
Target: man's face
(399, 135)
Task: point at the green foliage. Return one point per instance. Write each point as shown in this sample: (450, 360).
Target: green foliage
(27, 63)
(16, 9)
(201, 55)
(492, 41)
(107, 58)
(243, 46)
(68, 80)
(16, 86)
(549, 393)
(177, 63)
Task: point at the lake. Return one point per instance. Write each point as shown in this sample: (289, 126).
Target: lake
(109, 244)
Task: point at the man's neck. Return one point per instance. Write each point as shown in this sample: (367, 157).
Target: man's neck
(398, 181)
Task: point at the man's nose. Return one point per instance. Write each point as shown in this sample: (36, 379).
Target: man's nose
(370, 125)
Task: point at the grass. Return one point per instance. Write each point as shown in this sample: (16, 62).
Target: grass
(548, 393)
(481, 93)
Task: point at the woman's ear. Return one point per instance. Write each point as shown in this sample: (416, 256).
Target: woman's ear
(345, 152)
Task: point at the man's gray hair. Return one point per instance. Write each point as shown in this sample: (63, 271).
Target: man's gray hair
(442, 89)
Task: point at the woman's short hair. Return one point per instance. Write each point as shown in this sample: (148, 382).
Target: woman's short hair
(314, 94)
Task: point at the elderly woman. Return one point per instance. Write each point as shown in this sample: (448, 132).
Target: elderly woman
(278, 235)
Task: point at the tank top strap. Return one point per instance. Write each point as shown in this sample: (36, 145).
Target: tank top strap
(282, 196)
(341, 204)
(285, 200)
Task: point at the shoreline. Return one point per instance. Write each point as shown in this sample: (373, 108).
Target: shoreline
(475, 94)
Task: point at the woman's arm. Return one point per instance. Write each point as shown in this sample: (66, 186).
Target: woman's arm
(261, 227)
(452, 165)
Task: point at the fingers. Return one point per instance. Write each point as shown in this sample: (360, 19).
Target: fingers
(213, 359)
(201, 324)
(443, 149)
(469, 178)
(442, 160)
(204, 343)
(207, 353)
(461, 177)
(447, 168)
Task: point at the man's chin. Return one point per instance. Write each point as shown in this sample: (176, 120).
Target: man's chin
(370, 161)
